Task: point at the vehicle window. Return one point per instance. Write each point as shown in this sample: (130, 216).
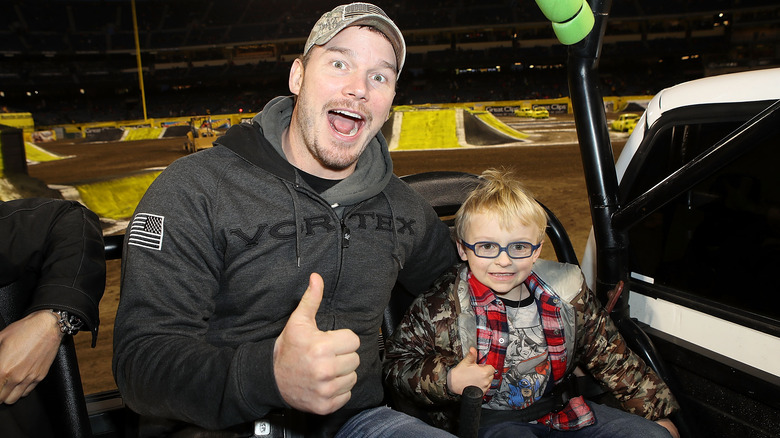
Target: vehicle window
(720, 240)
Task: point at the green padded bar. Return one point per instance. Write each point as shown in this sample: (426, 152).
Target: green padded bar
(575, 30)
(559, 11)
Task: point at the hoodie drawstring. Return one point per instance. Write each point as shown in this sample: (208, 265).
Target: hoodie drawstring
(396, 245)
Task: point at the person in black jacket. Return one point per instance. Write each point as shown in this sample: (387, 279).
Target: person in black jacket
(52, 277)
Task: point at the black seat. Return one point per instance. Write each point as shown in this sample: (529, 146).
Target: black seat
(113, 246)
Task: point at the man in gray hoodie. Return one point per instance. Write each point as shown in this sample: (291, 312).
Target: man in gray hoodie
(256, 272)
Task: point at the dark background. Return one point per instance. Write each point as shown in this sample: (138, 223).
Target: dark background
(75, 61)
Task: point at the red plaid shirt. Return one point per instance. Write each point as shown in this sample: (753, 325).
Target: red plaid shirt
(493, 328)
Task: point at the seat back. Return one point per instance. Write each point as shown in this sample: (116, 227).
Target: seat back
(113, 246)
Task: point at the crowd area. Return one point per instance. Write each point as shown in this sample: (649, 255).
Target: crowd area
(74, 61)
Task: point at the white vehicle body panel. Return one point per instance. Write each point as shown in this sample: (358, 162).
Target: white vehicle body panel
(742, 344)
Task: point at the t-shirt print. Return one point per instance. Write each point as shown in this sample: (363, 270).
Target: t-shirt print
(526, 368)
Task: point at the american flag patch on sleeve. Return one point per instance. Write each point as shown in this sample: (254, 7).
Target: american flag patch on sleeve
(146, 231)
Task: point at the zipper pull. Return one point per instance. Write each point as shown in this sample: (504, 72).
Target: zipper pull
(345, 235)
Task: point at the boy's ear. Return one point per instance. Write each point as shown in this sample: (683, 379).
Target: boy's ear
(461, 250)
(538, 251)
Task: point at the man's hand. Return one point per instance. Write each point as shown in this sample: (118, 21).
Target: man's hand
(468, 372)
(27, 349)
(315, 370)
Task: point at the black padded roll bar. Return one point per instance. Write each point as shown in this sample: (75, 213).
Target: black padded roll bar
(602, 185)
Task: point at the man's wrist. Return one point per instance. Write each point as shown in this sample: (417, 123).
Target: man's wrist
(69, 323)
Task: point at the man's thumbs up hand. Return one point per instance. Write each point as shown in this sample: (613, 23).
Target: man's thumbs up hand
(315, 370)
(306, 312)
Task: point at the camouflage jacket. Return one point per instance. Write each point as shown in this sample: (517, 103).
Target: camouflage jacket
(438, 329)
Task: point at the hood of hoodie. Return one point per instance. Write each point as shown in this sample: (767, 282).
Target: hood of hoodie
(260, 143)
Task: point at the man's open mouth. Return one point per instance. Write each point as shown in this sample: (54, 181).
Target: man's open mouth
(345, 122)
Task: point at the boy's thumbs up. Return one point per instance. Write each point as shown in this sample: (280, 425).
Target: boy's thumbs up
(471, 358)
(469, 373)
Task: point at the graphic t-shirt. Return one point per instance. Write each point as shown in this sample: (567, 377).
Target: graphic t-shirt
(526, 368)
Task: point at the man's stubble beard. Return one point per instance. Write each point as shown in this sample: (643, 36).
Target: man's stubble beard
(339, 156)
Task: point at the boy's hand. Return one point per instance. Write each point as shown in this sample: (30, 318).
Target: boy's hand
(315, 370)
(469, 372)
(667, 423)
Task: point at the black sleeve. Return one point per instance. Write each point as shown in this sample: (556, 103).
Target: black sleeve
(58, 244)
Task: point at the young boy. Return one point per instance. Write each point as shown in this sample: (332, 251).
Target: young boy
(517, 326)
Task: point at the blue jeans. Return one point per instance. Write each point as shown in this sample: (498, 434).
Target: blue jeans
(610, 422)
(383, 422)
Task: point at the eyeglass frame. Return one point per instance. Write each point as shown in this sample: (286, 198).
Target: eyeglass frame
(501, 248)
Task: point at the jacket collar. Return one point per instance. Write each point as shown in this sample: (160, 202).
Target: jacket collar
(260, 144)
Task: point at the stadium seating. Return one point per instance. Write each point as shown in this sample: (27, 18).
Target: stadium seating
(79, 54)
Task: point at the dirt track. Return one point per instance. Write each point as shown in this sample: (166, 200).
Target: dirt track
(550, 166)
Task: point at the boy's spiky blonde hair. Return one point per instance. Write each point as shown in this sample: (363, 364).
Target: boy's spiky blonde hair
(500, 192)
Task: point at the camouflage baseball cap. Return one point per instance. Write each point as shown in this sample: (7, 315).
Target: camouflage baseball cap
(354, 14)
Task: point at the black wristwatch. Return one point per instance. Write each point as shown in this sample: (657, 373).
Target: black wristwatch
(69, 324)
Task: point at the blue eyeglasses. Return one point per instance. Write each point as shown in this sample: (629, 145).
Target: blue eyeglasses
(491, 250)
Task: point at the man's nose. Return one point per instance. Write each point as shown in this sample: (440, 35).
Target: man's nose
(356, 87)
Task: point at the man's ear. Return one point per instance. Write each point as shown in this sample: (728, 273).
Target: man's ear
(296, 76)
